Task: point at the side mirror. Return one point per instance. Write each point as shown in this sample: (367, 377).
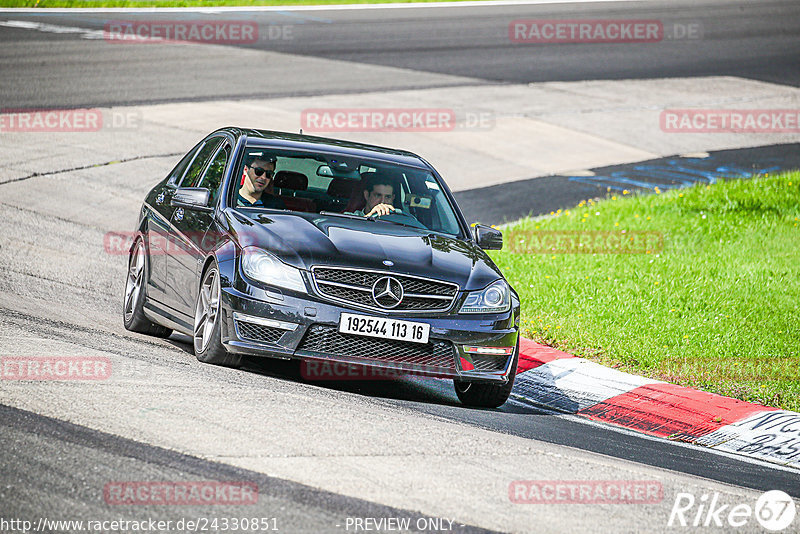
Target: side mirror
(488, 238)
(193, 198)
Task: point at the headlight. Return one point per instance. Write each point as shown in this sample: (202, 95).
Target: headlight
(495, 298)
(264, 267)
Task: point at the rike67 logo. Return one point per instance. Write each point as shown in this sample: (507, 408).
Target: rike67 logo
(774, 510)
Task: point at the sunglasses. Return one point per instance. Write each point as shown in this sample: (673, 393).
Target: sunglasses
(260, 170)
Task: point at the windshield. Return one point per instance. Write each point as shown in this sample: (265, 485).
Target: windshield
(340, 185)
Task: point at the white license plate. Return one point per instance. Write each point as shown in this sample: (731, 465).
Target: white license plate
(363, 325)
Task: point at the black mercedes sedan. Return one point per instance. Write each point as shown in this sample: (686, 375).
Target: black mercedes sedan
(262, 243)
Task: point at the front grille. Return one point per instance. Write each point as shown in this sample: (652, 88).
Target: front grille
(257, 332)
(329, 341)
(355, 287)
(489, 363)
(356, 297)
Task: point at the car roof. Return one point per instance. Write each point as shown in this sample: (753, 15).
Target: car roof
(324, 144)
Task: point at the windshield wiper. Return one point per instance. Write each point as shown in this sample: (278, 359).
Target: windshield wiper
(345, 215)
(373, 218)
(376, 218)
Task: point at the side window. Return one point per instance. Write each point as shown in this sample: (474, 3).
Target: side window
(194, 173)
(180, 168)
(215, 171)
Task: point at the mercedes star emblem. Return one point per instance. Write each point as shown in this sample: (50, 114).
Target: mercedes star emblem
(387, 292)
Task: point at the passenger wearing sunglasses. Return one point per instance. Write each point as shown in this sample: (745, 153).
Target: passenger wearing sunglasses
(259, 169)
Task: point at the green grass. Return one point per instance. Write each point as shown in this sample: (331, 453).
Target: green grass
(717, 308)
(192, 3)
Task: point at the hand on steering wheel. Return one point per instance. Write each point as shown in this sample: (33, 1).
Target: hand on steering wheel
(381, 209)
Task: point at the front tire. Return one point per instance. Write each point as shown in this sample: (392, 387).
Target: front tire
(487, 395)
(208, 346)
(133, 302)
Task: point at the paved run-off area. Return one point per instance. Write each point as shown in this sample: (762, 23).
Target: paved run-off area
(502, 133)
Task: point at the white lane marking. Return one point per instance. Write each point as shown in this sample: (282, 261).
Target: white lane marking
(339, 7)
(52, 28)
(87, 33)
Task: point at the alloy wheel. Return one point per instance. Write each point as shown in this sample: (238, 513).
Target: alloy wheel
(133, 285)
(207, 311)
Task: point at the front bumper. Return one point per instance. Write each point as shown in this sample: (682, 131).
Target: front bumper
(271, 323)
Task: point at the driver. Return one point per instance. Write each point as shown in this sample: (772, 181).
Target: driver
(379, 194)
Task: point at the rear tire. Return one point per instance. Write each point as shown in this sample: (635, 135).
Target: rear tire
(487, 395)
(133, 301)
(208, 346)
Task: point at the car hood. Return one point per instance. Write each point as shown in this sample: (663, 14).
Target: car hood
(305, 240)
